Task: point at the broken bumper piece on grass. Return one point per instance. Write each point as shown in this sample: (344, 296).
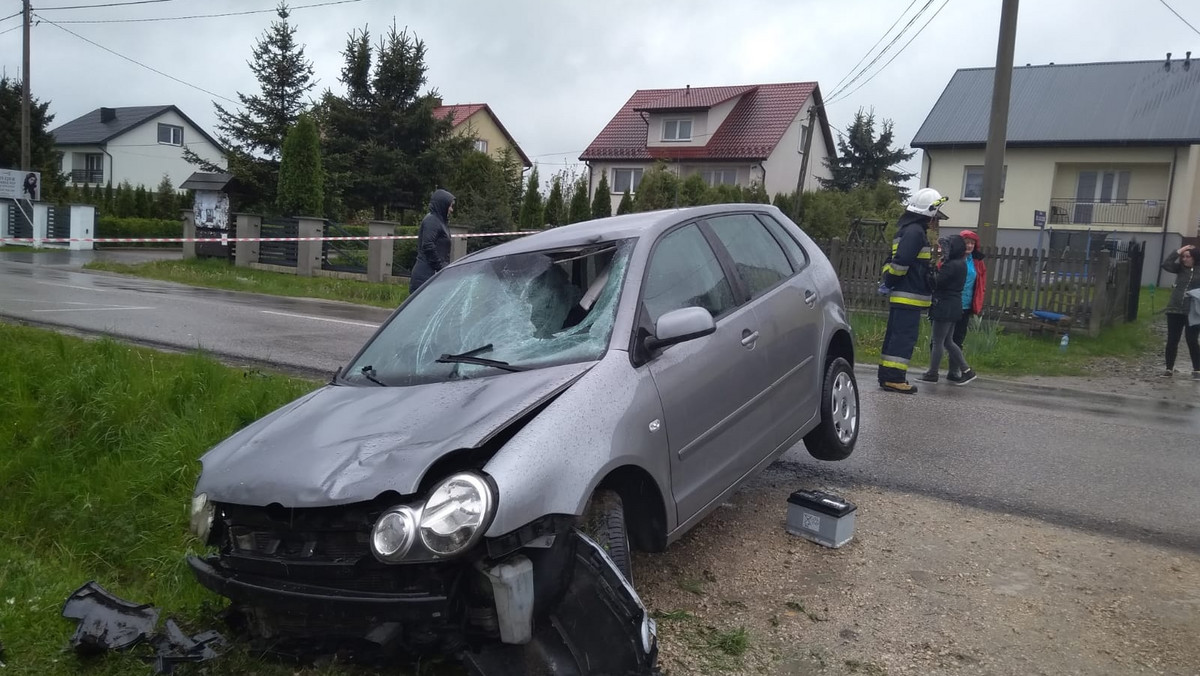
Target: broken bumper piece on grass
(110, 623)
(598, 624)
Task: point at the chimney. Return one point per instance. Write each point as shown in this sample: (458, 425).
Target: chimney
(1187, 61)
(437, 102)
(687, 90)
(1167, 65)
(107, 115)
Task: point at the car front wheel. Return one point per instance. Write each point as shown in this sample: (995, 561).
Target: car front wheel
(834, 437)
(605, 523)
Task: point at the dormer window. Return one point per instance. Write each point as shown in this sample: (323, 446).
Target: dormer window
(677, 129)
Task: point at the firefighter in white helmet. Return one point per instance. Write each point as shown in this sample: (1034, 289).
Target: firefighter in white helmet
(906, 283)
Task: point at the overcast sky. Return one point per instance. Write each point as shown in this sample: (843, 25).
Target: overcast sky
(556, 71)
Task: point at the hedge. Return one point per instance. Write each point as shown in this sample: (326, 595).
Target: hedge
(111, 226)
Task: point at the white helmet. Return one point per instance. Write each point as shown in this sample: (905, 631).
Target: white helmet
(926, 202)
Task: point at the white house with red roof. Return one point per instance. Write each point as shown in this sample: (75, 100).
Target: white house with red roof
(737, 135)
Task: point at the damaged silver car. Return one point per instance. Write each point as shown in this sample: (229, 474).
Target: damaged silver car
(619, 378)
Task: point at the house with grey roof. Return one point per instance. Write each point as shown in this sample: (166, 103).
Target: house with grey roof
(735, 135)
(1109, 148)
(138, 144)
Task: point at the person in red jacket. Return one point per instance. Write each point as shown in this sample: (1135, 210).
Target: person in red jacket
(973, 289)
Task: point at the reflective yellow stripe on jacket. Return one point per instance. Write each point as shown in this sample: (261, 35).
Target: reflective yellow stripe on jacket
(910, 299)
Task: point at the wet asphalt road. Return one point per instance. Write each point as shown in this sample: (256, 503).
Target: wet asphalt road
(309, 336)
(1122, 466)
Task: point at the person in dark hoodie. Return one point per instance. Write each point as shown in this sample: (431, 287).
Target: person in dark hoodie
(947, 281)
(906, 283)
(1183, 263)
(433, 239)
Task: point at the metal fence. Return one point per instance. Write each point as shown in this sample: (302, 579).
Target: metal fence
(344, 255)
(279, 253)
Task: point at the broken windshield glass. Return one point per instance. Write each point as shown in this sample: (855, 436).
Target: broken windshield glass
(535, 309)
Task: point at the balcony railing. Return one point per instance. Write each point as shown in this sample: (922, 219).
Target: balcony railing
(87, 175)
(1139, 212)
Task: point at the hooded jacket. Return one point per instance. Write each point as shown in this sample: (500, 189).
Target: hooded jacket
(1186, 279)
(980, 273)
(906, 272)
(433, 239)
(947, 280)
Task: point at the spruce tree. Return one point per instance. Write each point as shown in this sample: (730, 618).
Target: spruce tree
(531, 206)
(301, 179)
(864, 159)
(253, 135)
(626, 204)
(602, 202)
(166, 205)
(580, 210)
(556, 208)
(42, 155)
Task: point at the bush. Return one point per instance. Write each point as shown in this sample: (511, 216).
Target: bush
(404, 252)
(111, 226)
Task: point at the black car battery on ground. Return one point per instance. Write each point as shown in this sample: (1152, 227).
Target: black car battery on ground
(821, 517)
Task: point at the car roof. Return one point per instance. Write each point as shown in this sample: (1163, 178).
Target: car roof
(644, 224)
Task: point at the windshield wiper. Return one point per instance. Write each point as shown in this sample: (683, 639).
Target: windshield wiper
(469, 357)
(368, 371)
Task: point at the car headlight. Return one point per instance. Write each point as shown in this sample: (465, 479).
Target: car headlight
(201, 517)
(455, 514)
(393, 534)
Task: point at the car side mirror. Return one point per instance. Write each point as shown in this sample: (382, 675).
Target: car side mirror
(680, 326)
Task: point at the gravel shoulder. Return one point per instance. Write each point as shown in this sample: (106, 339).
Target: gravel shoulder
(925, 587)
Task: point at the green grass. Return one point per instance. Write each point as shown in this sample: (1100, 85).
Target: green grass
(220, 274)
(992, 350)
(733, 642)
(100, 446)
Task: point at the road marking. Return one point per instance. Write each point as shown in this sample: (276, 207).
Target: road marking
(97, 309)
(319, 319)
(72, 286)
(47, 302)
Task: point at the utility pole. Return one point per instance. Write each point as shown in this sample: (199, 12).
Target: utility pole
(797, 208)
(993, 157)
(25, 162)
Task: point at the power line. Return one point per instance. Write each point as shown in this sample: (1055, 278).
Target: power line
(889, 61)
(1164, 2)
(907, 26)
(9, 30)
(208, 16)
(13, 16)
(134, 61)
(110, 4)
(881, 37)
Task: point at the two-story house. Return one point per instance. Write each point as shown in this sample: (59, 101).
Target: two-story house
(479, 122)
(1105, 150)
(138, 144)
(737, 135)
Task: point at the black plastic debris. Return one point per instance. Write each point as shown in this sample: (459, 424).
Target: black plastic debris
(599, 627)
(105, 621)
(173, 647)
(110, 623)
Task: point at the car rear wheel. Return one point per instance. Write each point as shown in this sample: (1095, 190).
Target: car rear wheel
(834, 437)
(605, 523)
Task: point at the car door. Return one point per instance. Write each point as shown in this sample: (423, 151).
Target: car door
(709, 387)
(786, 299)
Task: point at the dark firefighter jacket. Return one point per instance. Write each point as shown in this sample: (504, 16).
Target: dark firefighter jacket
(906, 272)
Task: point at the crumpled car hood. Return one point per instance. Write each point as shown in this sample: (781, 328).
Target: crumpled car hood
(343, 444)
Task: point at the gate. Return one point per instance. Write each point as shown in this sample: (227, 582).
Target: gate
(19, 224)
(1136, 254)
(343, 255)
(279, 253)
(58, 222)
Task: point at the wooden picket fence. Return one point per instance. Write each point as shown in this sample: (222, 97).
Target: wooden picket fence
(1092, 291)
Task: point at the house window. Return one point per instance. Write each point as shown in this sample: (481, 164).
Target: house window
(626, 179)
(481, 145)
(677, 130)
(973, 182)
(170, 134)
(715, 177)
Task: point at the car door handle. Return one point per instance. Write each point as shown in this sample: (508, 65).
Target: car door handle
(749, 338)
(810, 297)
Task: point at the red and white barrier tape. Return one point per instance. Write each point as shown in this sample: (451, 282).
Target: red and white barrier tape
(226, 240)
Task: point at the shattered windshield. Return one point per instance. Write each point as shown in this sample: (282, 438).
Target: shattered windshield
(512, 313)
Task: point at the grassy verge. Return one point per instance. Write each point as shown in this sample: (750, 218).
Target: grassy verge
(991, 349)
(5, 248)
(219, 274)
(100, 447)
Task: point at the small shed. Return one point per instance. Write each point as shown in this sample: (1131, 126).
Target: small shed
(210, 210)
